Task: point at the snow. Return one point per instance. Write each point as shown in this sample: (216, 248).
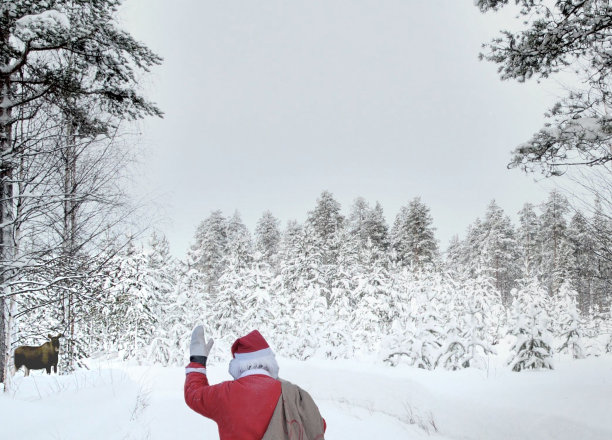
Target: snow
(586, 128)
(359, 400)
(32, 26)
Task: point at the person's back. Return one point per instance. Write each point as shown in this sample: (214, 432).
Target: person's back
(242, 408)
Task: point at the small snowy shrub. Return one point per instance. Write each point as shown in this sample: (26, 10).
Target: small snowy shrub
(532, 348)
(569, 323)
(609, 345)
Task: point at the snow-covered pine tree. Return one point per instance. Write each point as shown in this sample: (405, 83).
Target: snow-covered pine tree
(337, 334)
(227, 309)
(412, 236)
(555, 249)
(533, 345)
(601, 230)
(291, 257)
(455, 256)
(371, 297)
(325, 221)
(357, 223)
(287, 287)
(164, 302)
(267, 238)
(282, 308)
(182, 314)
(368, 224)
(242, 299)
(608, 347)
(418, 329)
(498, 247)
(192, 306)
(209, 251)
(399, 345)
(583, 264)
(378, 230)
(569, 322)
(258, 305)
(322, 241)
(239, 242)
(527, 241)
(158, 254)
(302, 294)
(127, 314)
(483, 316)
(453, 352)
(430, 307)
(473, 255)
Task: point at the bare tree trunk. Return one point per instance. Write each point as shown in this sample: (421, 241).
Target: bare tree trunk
(8, 366)
(3, 352)
(7, 251)
(70, 228)
(7, 247)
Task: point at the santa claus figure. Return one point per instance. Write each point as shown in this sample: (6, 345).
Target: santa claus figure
(256, 405)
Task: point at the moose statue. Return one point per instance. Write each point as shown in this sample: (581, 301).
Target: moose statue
(37, 358)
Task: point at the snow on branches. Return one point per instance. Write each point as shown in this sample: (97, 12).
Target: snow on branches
(330, 288)
(566, 35)
(529, 324)
(47, 24)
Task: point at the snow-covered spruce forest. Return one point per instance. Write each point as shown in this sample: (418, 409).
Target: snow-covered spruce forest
(352, 286)
(338, 284)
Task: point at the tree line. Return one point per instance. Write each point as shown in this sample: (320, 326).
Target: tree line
(353, 286)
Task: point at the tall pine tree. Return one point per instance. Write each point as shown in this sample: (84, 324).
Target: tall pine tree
(267, 238)
(554, 245)
(412, 235)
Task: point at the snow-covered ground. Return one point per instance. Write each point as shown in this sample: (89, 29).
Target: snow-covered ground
(359, 401)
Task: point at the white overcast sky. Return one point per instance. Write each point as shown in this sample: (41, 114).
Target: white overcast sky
(267, 103)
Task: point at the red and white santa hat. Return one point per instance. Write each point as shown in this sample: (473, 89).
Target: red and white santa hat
(252, 355)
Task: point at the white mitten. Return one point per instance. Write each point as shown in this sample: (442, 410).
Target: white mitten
(199, 348)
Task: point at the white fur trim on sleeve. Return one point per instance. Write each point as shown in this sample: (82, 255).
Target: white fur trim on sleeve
(195, 370)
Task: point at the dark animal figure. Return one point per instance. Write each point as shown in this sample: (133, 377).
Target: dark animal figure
(37, 358)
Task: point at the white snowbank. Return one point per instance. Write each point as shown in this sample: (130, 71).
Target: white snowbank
(358, 400)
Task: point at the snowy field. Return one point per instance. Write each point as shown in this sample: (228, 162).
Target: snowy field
(359, 401)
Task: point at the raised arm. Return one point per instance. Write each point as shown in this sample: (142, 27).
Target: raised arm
(200, 396)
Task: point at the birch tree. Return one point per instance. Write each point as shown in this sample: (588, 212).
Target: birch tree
(57, 52)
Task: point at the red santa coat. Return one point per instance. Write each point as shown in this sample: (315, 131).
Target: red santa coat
(241, 408)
